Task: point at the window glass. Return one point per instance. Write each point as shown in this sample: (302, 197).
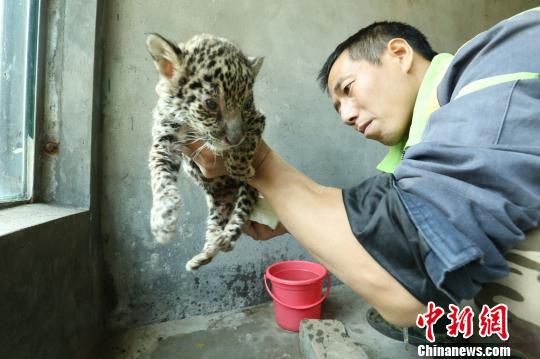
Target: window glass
(18, 36)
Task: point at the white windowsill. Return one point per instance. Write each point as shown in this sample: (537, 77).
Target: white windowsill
(18, 218)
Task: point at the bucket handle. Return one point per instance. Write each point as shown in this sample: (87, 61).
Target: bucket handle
(300, 307)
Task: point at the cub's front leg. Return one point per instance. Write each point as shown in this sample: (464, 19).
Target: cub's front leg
(239, 160)
(164, 165)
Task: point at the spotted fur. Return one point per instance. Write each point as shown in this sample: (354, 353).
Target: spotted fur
(205, 93)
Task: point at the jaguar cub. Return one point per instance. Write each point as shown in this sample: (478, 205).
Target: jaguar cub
(205, 93)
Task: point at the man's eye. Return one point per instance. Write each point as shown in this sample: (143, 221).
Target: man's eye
(211, 104)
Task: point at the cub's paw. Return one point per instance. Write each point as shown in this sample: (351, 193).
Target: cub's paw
(242, 174)
(227, 240)
(164, 220)
(226, 246)
(250, 172)
(198, 261)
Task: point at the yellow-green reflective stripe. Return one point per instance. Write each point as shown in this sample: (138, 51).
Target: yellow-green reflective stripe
(392, 158)
(495, 80)
(426, 100)
(426, 103)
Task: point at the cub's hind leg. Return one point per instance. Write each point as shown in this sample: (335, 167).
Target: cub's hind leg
(219, 209)
(245, 202)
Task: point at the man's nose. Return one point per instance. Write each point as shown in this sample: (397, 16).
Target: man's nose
(348, 114)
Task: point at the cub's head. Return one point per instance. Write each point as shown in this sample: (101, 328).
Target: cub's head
(208, 83)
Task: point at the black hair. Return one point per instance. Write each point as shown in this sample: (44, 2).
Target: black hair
(369, 43)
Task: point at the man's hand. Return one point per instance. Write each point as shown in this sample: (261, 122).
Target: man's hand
(209, 163)
(212, 165)
(261, 232)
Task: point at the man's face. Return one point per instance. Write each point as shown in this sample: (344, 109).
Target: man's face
(377, 100)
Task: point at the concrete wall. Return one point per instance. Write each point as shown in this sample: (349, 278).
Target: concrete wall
(50, 288)
(149, 280)
(51, 260)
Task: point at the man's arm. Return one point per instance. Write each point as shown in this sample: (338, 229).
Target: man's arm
(262, 232)
(315, 216)
(312, 213)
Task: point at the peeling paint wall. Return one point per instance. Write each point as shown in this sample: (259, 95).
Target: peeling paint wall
(148, 282)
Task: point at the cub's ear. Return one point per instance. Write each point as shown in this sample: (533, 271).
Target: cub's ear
(256, 64)
(168, 58)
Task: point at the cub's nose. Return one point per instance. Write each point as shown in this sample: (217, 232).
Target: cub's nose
(234, 131)
(233, 138)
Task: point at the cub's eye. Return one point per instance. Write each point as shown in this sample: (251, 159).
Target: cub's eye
(347, 89)
(248, 104)
(210, 104)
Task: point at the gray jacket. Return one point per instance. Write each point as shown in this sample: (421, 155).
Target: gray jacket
(472, 185)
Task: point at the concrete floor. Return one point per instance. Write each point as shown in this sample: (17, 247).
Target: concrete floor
(250, 333)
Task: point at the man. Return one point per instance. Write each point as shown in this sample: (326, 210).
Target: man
(461, 182)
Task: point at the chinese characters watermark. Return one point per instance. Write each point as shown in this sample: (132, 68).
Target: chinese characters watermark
(490, 321)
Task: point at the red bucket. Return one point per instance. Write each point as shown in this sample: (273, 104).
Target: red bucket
(296, 291)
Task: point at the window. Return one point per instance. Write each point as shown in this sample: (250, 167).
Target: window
(18, 74)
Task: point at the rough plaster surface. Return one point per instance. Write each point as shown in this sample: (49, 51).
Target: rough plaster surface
(32, 215)
(147, 281)
(67, 124)
(50, 291)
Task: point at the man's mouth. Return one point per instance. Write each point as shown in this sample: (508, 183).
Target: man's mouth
(363, 126)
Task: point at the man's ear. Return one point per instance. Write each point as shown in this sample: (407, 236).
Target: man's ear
(256, 64)
(168, 58)
(400, 50)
